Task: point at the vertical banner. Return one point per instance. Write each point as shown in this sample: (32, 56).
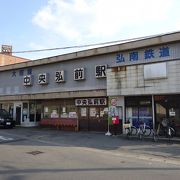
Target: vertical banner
(113, 111)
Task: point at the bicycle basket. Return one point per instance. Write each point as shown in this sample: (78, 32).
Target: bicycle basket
(164, 122)
(127, 125)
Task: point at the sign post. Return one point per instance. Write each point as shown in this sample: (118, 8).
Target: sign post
(108, 132)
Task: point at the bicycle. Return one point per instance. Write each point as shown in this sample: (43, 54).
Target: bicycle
(130, 130)
(143, 130)
(165, 128)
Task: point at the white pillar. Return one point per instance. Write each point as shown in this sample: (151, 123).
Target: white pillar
(153, 112)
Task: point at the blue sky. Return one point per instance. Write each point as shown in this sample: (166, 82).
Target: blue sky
(39, 24)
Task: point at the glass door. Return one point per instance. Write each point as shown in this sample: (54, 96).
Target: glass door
(83, 118)
(32, 112)
(25, 113)
(145, 116)
(17, 113)
(132, 115)
(138, 115)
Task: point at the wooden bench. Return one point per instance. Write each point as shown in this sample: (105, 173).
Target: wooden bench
(60, 123)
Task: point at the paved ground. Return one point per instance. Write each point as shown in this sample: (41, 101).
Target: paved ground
(96, 141)
(32, 153)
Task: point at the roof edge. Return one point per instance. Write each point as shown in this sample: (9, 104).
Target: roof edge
(142, 42)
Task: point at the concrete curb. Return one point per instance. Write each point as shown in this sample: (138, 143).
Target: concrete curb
(150, 138)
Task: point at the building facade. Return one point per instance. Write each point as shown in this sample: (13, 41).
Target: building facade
(136, 81)
(147, 81)
(9, 59)
(62, 87)
(6, 57)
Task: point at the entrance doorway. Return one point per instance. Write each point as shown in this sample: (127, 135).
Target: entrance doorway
(92, 119)
(139, 110)
(168, 106)
(17, 113)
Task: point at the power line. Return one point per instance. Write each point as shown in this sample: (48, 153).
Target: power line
(89, 45)
(78, 46)
(66, 47)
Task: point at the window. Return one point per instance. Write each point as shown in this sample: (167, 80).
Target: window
(38, 111)
(58, 110)
(32, 110)
(155, 71)
(25, 112)
(83, 111)
(51, 111)
(93, 111)
(138, 110)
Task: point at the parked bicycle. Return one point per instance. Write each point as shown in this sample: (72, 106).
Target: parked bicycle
(142, 130)
(130, 130)
(164, 128)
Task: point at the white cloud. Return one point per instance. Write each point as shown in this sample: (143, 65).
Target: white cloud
(84, 20)
(63, 17)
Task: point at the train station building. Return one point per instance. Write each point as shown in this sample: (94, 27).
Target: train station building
(135, 80)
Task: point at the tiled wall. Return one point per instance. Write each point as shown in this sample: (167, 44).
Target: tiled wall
(130, 80)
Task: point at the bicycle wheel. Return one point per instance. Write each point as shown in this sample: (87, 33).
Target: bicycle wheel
(128, 132)
(170, 132)
(155, 136)
(147, 131)
(173, 132)
(133, 130)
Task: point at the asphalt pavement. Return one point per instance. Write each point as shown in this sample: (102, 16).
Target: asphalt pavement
(41, 153)
(163, 150)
